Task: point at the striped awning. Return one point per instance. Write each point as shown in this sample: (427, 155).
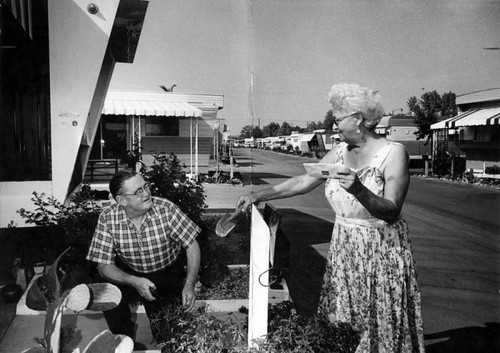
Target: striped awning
(473, 117)
(149, 104)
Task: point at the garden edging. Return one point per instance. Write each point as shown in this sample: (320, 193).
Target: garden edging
(213, 305)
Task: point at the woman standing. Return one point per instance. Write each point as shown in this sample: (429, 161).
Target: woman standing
(370, 279)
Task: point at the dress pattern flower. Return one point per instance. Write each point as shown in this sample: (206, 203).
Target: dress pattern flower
(370, 279)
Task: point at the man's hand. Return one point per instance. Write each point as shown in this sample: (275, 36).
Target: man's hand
(193, 265)
(143, 285)
(188, 296)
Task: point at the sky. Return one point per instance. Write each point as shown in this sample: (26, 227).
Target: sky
(275, 60)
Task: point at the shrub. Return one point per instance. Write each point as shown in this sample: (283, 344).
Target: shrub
(180, 331)
(69, 225)
(290, 332)
(492, 170)
(168, 180)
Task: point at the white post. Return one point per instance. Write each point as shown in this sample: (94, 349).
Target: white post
(231, 174)
(259, 279)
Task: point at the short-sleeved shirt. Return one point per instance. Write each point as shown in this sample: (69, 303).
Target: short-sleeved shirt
(156, 245)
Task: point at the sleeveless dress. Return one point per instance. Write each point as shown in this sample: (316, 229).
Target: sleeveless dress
(370, 279)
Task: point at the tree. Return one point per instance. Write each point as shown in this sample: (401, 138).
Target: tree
(426, 112)
(285, 129)
(271, 130)
(448, 105)
(311, 126)
(257, 132)
(246, 131)
(328, 122)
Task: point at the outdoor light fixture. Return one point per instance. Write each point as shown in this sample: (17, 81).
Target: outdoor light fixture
(92, 8)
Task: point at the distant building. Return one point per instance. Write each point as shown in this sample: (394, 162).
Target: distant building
(402, 129)
(382, 126)
(295, 139)
(160, 122)
(475, 130)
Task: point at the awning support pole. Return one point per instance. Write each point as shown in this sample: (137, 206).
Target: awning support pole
(196, 150)
(191, 145)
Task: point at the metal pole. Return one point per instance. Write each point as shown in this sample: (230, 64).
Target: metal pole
(217, 148)
(191, 145)
(101, 141)
(196, 149)
(132, 135)
(139, 139)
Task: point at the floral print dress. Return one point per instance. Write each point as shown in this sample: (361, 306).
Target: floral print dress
(370, 280)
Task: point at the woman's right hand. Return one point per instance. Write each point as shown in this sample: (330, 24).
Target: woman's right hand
(245, 201)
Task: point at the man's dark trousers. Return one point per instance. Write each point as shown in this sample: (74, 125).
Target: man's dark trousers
(169, 284)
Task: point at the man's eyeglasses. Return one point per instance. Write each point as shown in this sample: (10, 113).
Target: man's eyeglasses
(140, 192)
(337, 121)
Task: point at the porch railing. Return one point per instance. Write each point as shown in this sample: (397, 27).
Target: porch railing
(101, 169)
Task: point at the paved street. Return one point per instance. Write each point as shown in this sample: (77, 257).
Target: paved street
(454, 229)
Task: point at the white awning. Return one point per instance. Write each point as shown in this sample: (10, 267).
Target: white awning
(473, 117)
(384, 122)
(307, 137)
(141, 103)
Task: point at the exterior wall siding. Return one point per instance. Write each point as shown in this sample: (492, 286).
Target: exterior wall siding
(403, 133)
(180, 146)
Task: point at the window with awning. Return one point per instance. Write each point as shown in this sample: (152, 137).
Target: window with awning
(473, 117)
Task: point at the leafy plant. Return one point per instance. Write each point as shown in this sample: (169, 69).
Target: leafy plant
(291, 332)
(134, 156)
(492, 170)
(63, 225)
(169, 180)
(180, 331)
(444, 161)
(232, 286)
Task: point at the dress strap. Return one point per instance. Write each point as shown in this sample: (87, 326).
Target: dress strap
(382, 155)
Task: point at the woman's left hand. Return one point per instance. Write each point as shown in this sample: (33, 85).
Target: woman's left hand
(348, 180)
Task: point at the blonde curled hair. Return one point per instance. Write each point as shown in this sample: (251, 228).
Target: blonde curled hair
(349, 98)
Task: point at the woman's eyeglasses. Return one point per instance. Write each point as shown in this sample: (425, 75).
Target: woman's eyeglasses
(140, 192)
(337, 121)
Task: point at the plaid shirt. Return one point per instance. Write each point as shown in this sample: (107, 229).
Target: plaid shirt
(153, 247)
